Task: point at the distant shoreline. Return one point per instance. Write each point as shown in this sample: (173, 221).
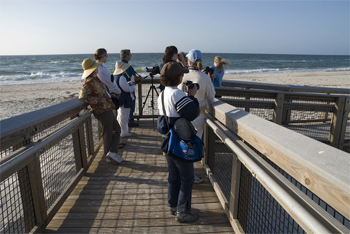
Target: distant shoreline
(20, 99)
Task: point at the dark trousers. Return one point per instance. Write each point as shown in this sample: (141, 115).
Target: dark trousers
(110, 131)
(180, 183)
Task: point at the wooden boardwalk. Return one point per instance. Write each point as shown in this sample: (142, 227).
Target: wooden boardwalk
(132, 197)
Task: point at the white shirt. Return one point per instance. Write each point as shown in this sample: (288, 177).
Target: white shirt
(126, 87)
(174, 100)
(105, 76)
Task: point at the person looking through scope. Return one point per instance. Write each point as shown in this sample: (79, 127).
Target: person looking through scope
(171, 54)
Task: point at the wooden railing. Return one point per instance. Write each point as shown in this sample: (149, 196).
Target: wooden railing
(288, 105)
(292, 109)
(43, 156)
(286, 88)
(303, 176)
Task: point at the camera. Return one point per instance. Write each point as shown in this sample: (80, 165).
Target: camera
(190, 84)
(208, 70)
(154, 70)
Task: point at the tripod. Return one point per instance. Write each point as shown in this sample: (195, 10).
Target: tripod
(152, 88)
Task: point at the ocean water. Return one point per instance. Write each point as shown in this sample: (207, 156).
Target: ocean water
(66, 68)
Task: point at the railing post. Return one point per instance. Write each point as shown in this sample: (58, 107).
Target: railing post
(338, 123)
(245, 185)
(234, 193)
(90, 138)
(36, 182)
(324, 115)
(79, 148)
(247, 109)
(278, 110)
(139, 91)
(31, 187)
(345, 122)
(287, 112)
(209, 147)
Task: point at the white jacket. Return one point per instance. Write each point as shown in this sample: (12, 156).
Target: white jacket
(206, 92)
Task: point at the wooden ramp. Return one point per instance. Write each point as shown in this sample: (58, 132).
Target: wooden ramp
(132, 197)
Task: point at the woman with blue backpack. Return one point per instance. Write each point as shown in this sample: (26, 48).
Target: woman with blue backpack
(174, 104)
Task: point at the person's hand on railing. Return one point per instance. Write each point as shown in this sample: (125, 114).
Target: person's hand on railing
(138, 78)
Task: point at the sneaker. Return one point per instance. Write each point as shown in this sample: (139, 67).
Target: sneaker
(133, 124)
(197, 179)
(173, 210)
(114, 157)
(126, 134)
(186, 217)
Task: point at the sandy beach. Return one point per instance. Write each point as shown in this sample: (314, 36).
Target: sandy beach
(20, 99)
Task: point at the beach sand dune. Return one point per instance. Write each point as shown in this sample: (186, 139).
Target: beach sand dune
(20, 99)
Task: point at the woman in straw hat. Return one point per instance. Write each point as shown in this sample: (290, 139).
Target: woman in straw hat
(127, 87)
(97, 96)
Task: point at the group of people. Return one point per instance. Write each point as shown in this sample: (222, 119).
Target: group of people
(179, 101)
(98, 88)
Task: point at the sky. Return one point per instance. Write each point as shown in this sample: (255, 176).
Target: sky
(30, 27)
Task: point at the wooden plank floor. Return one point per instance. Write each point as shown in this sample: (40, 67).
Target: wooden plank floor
(132, 197)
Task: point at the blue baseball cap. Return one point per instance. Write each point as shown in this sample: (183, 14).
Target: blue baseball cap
(194, 55)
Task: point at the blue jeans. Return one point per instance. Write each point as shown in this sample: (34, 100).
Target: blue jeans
(180, 183)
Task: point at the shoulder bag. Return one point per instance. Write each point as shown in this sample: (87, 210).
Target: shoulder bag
(188, 150)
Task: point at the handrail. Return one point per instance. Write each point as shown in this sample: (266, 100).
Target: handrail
(292, 200)
(269, 86)
(272, 93)
(278, 87)
(32, 153)
(18, 128)
(308, 161)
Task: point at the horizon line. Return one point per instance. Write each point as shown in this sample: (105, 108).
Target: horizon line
(163, 53)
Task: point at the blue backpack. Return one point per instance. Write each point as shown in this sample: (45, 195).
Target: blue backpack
(189, 149)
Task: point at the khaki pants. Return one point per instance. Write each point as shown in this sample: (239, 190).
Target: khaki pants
(110, 131)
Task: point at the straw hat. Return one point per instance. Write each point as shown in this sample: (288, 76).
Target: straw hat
(120, 67)
(89, 66)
